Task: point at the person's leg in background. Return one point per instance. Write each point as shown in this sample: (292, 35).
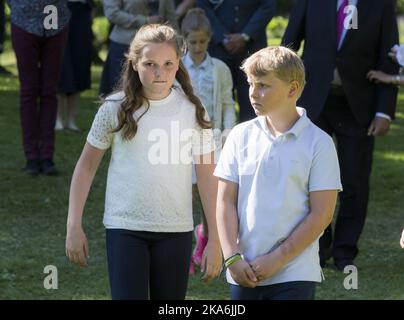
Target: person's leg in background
(355, 149)
(355, 153)
(51, 62)
(27, 50)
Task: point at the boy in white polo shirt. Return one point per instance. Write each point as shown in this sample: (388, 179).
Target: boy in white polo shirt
(279, 179)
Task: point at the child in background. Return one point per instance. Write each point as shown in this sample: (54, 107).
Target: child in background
(212, 82)
(278, 184)
(148, 209)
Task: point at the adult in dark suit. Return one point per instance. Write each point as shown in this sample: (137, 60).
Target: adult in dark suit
(239, 29)
(340, 100)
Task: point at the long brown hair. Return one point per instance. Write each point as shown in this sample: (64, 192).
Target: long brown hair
(132, 87)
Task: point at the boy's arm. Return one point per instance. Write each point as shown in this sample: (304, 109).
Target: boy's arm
(227, 224)
(322, 204)
(84, 172)
(207, 185)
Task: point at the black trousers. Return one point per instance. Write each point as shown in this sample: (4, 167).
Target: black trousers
(355, 152)
(148, 265)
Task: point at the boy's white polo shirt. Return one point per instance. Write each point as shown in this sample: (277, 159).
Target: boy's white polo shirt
(274, 177)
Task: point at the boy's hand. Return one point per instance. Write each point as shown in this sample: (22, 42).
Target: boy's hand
(211, 263)
(265, 266)
(243, 274)
(77, 246)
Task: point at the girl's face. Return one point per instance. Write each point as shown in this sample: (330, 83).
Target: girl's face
(157, 69)
(197, 43)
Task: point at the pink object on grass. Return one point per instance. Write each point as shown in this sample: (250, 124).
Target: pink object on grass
(201, 241)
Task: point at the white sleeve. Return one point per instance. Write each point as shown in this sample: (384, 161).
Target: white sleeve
(324, 171)
(227, 166)
(100, 135)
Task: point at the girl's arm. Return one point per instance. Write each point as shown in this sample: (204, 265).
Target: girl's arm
(207, 185)
(86, 167)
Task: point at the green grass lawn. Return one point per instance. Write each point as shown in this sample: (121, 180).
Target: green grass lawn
(33, 216)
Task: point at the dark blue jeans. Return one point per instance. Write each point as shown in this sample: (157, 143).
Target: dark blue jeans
(293, 290)
(148, 265)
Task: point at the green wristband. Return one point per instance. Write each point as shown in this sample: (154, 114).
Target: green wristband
(234, 258)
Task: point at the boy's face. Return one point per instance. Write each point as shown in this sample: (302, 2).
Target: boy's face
(157, 69)
(197, 42)
(268, 93)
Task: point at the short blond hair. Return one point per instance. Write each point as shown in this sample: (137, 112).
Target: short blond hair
(283, 62)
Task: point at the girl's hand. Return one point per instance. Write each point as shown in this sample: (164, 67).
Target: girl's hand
(402, 240)
(211, 263)
(77, 246)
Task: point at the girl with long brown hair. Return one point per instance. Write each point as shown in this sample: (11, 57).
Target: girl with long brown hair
(155, 129)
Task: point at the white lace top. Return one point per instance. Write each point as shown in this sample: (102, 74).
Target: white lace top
(149, 184)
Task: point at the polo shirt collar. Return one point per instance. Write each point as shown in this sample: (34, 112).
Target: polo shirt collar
(296, 129)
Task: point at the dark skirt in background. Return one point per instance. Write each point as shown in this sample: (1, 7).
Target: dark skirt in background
(113, 67)
(76, 70)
